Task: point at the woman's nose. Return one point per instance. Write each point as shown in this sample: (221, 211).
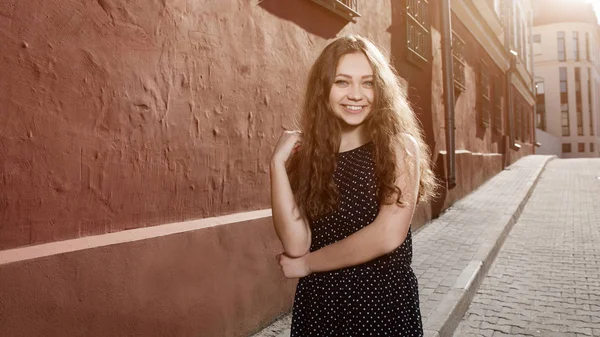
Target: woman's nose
(355, 93)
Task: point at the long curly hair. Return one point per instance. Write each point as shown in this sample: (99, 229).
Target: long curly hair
(311, 168)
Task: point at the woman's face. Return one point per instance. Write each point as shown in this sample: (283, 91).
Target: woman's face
(351, 96)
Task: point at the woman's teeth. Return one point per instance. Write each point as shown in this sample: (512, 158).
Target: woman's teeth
(354, 107)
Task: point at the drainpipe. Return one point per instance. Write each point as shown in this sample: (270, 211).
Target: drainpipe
(509, 74)
(448, 75)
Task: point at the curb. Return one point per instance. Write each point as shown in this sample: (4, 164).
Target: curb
(447, 315)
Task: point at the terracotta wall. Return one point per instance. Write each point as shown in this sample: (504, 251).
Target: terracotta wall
(127, 114)
(482, 152)
(123, 114)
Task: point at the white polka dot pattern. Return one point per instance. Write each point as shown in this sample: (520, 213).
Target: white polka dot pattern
(377, 298)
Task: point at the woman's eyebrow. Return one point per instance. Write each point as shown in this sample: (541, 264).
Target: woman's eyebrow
(348, 76)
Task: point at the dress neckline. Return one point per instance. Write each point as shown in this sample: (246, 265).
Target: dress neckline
(356, 148)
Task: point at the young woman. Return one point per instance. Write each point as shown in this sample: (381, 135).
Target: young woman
(344, 190)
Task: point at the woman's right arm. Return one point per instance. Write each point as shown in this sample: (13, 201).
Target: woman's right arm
(291, 228)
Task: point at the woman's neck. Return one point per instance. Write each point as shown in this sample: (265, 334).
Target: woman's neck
(354, 137)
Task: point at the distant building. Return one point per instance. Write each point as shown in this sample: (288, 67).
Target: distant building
(566, 40)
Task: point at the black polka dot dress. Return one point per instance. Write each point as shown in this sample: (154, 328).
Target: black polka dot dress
(377, 298)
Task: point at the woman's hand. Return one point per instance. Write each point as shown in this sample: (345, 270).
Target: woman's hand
(294, 267)
(287, 144)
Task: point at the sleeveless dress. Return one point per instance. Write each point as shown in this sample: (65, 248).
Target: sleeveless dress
(377, 298)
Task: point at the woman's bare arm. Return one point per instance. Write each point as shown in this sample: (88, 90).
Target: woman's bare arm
(291, 228)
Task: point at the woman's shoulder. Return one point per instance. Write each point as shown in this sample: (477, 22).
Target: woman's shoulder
(406, 144)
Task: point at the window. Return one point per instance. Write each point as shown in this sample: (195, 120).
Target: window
(560, 37)
(418, 38)
(458, 62)
(581, 147)
(523, 51)
(564, 102)
(591, 147)
(566, 148)
(587, 46)
(576, 46)
(347, 9)
(590, 107)
(526, 124)
(484, 94)
(518, 35)
(498, 104)
(537, 44)
(578, 103)
(518, 129)
(540, 105)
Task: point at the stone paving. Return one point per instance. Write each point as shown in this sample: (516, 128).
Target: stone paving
(545, 280)
(445, 248)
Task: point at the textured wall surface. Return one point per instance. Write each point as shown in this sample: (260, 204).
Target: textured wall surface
(120, 114)
(218, 282)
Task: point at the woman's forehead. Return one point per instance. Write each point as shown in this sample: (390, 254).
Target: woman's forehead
(354, 64)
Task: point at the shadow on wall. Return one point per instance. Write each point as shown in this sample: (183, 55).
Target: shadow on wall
(308, 15)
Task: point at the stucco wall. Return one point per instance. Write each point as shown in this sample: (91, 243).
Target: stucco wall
(123, 114)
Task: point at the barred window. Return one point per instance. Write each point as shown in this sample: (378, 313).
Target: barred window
(581, 147)
(566, 147)
(560, 40)
(576, 46)
(578, 101)
(417, 30)
(498, 104)
(518, 128)
(347, 9)
(540, 105)
(458, 62)
(484, 94)
(587, 46)
(564, 102)
(590, 104)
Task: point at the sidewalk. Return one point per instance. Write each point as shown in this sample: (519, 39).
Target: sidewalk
(453, 253)
(546, 278)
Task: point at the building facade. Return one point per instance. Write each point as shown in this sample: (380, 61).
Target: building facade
(134, 157)
(566, 39)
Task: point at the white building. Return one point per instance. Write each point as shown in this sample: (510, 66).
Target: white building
(566, 40)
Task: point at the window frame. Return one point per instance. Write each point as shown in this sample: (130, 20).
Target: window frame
(458, 62)
(417, 20)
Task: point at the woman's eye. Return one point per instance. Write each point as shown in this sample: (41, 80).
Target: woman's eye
(341, 82)
(369, 84)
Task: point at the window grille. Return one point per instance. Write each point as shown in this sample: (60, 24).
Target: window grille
(458, 64)
(417, 30)
(498, 104)
(348, 9)
(484, 92)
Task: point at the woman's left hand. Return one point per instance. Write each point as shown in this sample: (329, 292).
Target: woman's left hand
(293, 267)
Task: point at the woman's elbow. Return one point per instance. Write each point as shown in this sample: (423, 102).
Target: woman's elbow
(295, 250)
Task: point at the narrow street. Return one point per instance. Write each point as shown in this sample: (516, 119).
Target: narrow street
(545, 280)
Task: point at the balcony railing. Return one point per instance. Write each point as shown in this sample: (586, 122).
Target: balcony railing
(348, 9)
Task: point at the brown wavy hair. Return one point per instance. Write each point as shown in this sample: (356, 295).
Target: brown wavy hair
(311, 168)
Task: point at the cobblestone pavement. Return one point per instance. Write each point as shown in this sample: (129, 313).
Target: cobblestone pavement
(545, 280)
